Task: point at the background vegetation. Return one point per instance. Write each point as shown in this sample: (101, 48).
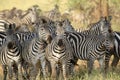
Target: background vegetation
(81, 13)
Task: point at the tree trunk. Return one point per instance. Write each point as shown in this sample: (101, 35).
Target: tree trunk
(104, 8)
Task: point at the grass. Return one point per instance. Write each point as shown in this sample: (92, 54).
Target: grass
(81, 73)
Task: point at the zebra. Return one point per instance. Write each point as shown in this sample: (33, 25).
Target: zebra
(92, 47)
(34, 49)
(115, 51)
(10, 54)
(59, 51)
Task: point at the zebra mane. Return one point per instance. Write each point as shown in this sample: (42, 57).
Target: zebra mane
(93, 25)
(96, 25)
(25, 14)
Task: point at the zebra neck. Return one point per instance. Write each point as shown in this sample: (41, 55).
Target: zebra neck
(39, 41)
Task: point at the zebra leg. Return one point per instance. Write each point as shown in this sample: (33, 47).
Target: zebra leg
(33, 72)
(107, 59)
(48, 67)
(10, 72)
(43, 65)
(90, 66)
(25, 74)
(101, 63)
(20, 73)
(53, 66)
(15, 69)
(65, 69)
(114, 62)
(5, 71)
(59, 71)
(72, 64)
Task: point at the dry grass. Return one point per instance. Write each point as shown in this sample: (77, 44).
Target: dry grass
(81, 73)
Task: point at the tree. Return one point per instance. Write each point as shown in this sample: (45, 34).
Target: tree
(104, 7)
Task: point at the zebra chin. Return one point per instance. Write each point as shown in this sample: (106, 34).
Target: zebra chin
(11, 45)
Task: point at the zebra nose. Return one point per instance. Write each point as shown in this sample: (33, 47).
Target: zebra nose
(10, 45)
(60, 42)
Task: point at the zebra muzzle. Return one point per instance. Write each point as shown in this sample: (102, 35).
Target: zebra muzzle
(10, 45)
(60, 42)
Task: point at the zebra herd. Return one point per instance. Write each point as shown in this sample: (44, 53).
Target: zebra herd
(54, 47)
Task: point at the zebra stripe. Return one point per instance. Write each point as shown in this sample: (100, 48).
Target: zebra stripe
(24, 36)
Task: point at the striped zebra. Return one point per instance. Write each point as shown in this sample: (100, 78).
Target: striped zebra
(59, 52)
(10, 54)
(92, 47)
(34, 49)
(115, 51)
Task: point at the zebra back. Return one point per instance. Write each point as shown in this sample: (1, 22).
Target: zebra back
(98, 27)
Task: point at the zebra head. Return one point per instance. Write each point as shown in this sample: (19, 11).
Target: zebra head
(105, 25)
(107, 32)
(101, 26)
(65, 24)
(60, 37)
(11, 40)
(44, 31)
(32, 13)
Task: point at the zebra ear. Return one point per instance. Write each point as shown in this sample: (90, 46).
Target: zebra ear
(13, 26)
(67, 21)
(102, 18)
(43, 21)
(109, 18)
(6, 25)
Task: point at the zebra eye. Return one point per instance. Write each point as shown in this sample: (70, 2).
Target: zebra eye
(109, 30)
(42, 29)
(56, 33)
